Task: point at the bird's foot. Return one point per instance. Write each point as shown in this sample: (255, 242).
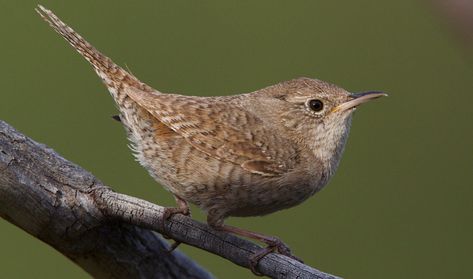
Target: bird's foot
(274, 245)
(169, 212)
(183, 208)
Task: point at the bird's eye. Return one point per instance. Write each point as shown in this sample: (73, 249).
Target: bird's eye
(316, 105)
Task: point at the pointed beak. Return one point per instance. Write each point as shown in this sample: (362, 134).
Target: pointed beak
(358, 99)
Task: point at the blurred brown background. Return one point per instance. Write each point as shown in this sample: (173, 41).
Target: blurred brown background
(400, 205)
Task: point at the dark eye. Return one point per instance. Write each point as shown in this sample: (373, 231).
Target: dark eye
(316, 105)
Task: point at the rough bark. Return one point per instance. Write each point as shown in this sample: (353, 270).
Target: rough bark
(108, 234)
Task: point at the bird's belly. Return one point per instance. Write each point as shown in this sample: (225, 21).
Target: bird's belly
(270, 202)
(210, 183)
(213, 184)
(240, 193)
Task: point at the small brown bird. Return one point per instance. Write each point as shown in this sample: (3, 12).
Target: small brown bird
(243, 155)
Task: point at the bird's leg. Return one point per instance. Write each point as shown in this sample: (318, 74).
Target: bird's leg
(274, 244)
(182, 208)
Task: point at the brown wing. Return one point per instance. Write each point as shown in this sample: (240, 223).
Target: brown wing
(217, 127)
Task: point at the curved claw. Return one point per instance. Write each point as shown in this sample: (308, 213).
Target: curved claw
(183, 208)
(254, 260)
(274, 245)
(173, 246)
(283, 249)
(168, 212)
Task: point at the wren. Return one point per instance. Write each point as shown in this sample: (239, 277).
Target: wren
(243, 155)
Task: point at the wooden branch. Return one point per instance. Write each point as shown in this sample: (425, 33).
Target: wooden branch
(108, 234)
(51, 199)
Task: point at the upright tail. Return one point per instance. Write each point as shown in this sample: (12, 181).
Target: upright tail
(114, 77)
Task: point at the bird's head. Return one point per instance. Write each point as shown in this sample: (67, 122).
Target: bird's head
(315, 113)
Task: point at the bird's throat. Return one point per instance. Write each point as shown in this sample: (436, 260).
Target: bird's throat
(329, 144)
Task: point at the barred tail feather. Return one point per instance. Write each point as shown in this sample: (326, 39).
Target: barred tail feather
(114, 77)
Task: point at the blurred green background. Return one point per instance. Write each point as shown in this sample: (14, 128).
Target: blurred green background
(400, 205)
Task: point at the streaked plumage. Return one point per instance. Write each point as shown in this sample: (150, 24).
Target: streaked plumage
(242, 155)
